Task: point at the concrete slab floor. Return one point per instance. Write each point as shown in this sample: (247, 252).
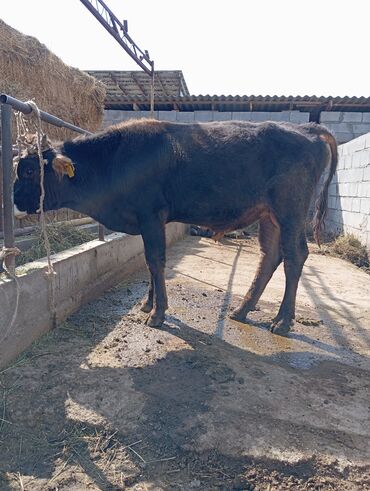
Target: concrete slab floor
(105, 402)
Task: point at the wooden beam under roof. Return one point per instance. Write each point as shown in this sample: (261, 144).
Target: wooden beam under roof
(158, 79)
(138, 84)
(120, 86)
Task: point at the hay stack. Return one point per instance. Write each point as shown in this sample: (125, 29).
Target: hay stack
(28, 70)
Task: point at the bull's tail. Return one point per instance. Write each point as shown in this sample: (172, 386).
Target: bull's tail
(322, 201)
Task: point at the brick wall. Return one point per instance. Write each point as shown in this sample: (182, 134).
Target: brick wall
(349, 192)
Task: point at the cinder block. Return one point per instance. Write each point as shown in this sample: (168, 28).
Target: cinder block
(342, 127)
(269, 116)
(185, 117)
(328, 116)
(355, 220)
(276, 116)
(352, 117)
(354, 145)
(336, 215)
(241, 115)
(333, 189)
(366, 117)
(365, 206)
(356, 175)
(299, 117)
(353, 189)
(346, 203)
(343, 176)
(146, 114)
(366, 176)
(364, 189)
(167, 116)
(204, 116)
(360, 159)
(222, 116)
(342, 137)
(113, 115)
(361, 129)
(345, 162)
(332, 202)
(356, 204)
(126, 115)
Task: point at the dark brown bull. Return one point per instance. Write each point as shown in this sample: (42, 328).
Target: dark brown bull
(140, 175)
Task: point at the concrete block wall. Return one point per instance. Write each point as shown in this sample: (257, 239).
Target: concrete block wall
(349, 192)
(346, 125)
(113, 116)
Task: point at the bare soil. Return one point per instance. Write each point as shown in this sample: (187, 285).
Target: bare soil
(106, 403)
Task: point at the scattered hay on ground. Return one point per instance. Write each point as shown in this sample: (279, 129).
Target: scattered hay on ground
(348, 247)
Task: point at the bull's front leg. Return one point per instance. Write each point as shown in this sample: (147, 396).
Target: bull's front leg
(153, 233)
(147, 304)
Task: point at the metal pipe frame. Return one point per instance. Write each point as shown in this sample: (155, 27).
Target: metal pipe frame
(7, 165)
(48, 118)
(8, 103)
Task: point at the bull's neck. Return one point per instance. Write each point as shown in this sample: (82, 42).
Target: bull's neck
(83, 192)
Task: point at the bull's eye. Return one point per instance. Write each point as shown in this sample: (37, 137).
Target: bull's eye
(29, 172)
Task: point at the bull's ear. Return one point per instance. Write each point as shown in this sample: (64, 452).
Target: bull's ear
(63, 166)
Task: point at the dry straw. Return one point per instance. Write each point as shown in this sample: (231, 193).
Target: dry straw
(28, 70)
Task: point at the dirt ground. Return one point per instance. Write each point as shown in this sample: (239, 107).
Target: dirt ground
(107, 403)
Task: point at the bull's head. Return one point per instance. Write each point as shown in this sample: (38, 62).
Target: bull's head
(27, 188)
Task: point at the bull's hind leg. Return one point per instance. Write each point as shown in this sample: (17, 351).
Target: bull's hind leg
(269, 238)
(295, 252)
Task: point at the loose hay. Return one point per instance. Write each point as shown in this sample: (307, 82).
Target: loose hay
(62, 236)
(28, 70)
(348, 247)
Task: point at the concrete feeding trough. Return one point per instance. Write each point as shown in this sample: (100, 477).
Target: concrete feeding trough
(83, 273)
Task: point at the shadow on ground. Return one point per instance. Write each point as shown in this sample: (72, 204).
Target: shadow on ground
(107, 403)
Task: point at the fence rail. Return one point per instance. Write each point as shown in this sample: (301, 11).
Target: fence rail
(9, 103)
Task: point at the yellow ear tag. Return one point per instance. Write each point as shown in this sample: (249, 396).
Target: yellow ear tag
(70, 169)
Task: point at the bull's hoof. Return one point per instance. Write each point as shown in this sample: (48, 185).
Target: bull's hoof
(155, 320)
(146, 307)
(238, 315)
(281, 327)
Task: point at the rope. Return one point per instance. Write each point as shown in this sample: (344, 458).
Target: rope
(5, 252)
(23, 131)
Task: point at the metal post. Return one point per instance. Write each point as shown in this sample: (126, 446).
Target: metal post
(7, 164)
(101, 232)
(152, 93)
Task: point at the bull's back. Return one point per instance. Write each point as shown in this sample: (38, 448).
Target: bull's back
(225, 168)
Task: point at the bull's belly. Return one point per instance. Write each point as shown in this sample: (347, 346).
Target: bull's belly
(226, 221)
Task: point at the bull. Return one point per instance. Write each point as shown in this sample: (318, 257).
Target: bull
(139, 175)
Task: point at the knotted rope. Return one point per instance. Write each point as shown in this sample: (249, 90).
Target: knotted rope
(36, 144)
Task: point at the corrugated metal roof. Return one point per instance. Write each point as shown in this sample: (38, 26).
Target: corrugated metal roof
(240, 103)
(129, 90)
